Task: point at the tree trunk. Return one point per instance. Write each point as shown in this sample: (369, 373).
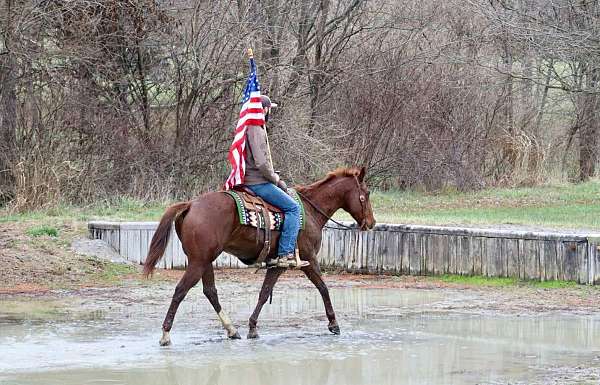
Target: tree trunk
(588, 127)
(588, 135)
(8, 107)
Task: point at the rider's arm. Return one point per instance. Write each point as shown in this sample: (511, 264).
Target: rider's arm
(257, 138)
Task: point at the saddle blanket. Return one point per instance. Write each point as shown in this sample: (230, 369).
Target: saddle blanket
(249, 217)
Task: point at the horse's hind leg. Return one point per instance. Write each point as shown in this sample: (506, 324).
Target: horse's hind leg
(313, 273)
(190, 278)
(270, 279)
(210, 291)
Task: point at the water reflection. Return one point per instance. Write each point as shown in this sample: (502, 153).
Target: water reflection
(390, 336)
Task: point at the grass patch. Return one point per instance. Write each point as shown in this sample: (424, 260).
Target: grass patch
(504, 282)
(554, 206)
(478, 280)
(39, 231)
(558, 206)
(113, 272)
(119, 209)
(553, 284)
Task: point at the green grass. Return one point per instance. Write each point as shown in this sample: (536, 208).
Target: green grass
(477, 280)
(120, 209)
(504, 282)
(43, 230)
(113, 272)
(553, 284)
(561, 206)
(109, 272)
(557, 206)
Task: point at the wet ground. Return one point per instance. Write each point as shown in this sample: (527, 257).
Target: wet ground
(390, 335)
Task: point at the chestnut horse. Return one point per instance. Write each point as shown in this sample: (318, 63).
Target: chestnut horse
(209, 225)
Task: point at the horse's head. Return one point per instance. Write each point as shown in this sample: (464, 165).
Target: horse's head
(356, 201)
(343, 188)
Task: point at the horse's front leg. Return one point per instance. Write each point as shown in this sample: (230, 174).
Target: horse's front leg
(190, 278)
(313, 273)
(271, 278)
(210, 291)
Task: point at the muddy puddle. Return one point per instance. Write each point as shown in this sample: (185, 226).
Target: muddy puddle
(389, 336)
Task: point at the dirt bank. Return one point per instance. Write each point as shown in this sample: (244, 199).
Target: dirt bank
(31, 262)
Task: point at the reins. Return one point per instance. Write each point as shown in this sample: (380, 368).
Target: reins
(314, 206)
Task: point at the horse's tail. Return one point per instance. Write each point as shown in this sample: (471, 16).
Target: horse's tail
(161, 236)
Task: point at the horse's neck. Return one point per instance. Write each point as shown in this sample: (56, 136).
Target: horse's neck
(327, 198)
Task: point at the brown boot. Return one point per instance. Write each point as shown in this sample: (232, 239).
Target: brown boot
(287, 261)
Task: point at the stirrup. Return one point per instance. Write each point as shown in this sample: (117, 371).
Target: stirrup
(287, 263)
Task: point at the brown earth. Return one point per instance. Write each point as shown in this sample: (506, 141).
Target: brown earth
(29, 263)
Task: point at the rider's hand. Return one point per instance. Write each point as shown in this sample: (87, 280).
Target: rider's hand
(281, 184)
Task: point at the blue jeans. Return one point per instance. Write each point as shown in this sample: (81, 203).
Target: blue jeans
(291, 225)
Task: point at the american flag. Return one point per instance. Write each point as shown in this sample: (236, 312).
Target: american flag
(251, 114)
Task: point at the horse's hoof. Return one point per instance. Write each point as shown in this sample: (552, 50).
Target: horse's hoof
(335, 329)
(236, 336)
(252, 333)
(165, 339)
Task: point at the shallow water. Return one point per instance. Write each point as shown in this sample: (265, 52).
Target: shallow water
(389, 336)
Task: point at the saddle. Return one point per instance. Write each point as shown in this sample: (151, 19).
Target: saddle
(255, 212)
(251, 200)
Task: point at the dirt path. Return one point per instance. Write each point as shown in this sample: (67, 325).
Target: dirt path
(508, 300)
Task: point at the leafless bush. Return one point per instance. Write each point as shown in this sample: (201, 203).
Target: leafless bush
(105, 98)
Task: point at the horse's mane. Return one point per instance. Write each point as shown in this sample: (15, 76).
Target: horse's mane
(339, 172)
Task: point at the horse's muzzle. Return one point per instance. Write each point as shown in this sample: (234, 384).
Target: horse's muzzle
(367, 225)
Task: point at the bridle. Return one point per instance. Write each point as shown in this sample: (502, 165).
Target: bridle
(362, 198)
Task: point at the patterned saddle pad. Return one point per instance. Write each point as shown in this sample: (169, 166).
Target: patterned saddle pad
(249, 217)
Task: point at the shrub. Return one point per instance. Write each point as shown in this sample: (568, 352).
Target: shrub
(39, 231)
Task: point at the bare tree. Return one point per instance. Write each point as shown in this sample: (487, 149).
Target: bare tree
(100, 99)
(565, 36)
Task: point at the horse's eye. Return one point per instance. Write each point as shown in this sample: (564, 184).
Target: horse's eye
(362, 198)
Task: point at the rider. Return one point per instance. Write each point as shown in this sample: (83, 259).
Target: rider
(264, 182)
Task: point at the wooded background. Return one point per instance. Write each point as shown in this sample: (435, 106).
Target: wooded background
(140, 98)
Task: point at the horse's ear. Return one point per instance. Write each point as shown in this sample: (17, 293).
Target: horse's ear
(361, 176)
